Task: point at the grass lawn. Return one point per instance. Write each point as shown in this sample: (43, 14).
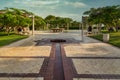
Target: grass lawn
(114, 38)
(5, 39)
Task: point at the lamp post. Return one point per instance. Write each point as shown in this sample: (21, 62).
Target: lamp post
(82, 32)
(33, 23)
(47, 25)
(69, 24)
(82, 24)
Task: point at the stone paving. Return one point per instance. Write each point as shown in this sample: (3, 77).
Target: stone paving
(94, 58)
(22, 59)
(21, 78)
(8, 64)
(102, 78)
(89, 58)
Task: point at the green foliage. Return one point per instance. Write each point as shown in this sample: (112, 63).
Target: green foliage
(74, 28)
(109, 15)
(13, 18)
(39, 23)
(60, 22)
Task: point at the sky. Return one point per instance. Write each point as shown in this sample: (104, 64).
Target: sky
(63, 8)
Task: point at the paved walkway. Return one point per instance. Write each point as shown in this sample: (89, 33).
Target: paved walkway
(94, 60)
(88, 60)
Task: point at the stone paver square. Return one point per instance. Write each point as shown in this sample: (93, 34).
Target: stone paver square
(39, 78)
(20, 65)
(92, 79)
(84, 50)
(97, 66)
(26, 51)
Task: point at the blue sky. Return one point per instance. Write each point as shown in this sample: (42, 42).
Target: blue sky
(64, 8)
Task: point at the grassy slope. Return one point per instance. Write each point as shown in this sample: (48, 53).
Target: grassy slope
(114, 38)
(5, 39)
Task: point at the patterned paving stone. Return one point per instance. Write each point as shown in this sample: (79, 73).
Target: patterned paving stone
(85, 57)
(92, 79)
(4, 78)
(26, 78)
(21, 65)
(26, 51)
(97, 66)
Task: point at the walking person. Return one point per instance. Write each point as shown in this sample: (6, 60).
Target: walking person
(89, 29)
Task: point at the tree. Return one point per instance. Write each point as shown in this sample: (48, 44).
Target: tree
(50, 20)
(57, 21)
(75, 25)
(9, 22)
(13, 18)
(39, 23)
(108, 16)
(67, 21)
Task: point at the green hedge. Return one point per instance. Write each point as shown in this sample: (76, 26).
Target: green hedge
(74, 28)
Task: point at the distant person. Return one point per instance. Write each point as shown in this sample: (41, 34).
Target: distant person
(118, 27)
(111, 29)
(90, 29)
(19, 31)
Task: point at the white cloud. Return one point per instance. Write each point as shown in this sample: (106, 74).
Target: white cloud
(74, 16)
(52, 7)
(76, 4)
(37, 2)
(46, 2)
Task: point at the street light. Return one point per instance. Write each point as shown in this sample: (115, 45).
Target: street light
(47, 25)
(84, 21)
(33, 23)
(82, 32)
(68, 25)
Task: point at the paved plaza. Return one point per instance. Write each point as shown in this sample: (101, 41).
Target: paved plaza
(32, 58)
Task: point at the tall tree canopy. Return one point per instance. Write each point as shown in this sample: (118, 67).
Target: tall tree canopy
(109, 16)
(57, 21)
(12, 18)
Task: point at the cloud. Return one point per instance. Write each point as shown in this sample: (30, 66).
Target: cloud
(76, 4)
(46, 2)
(52, 7)
(74, 16)
(37, 2)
